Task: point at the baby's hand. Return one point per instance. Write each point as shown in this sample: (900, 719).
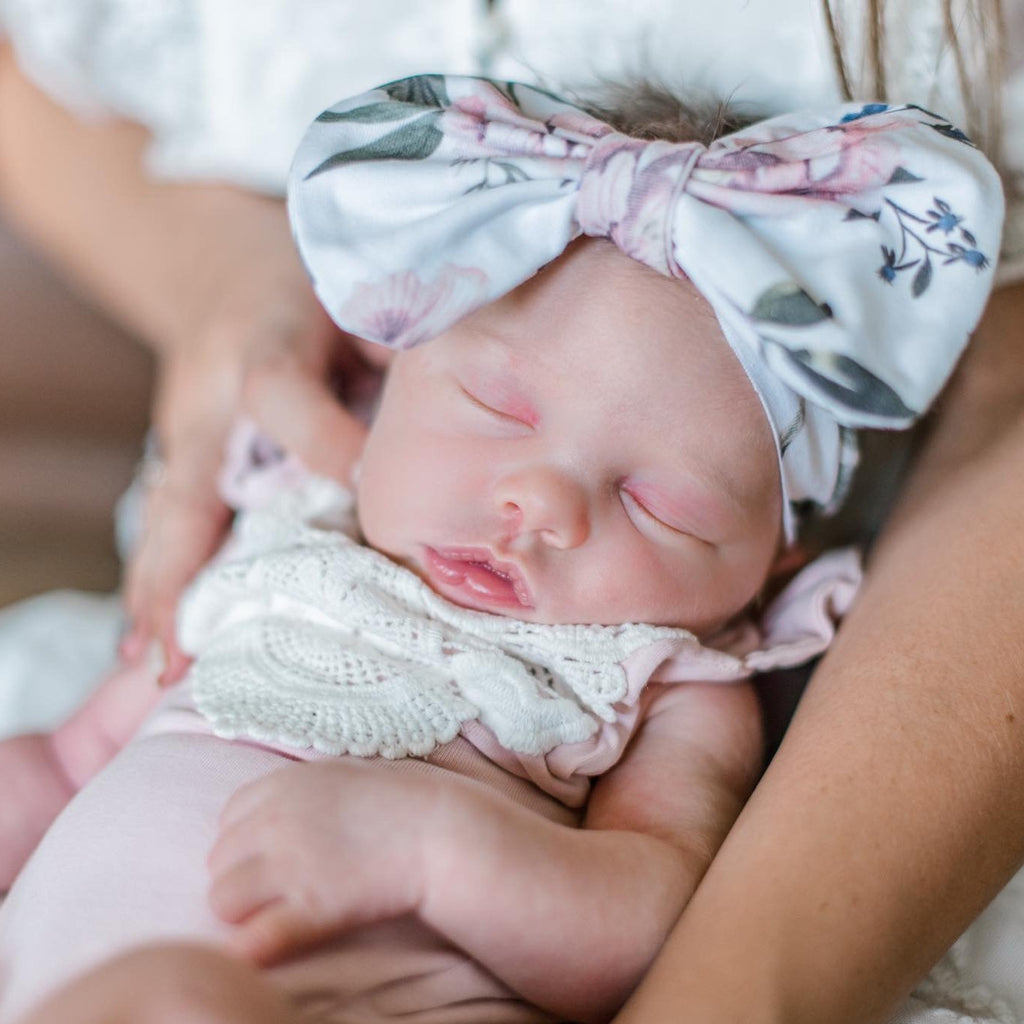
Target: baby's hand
(316, 849)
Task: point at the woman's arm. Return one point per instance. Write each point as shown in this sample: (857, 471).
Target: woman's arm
(892, 813)
(208, 276)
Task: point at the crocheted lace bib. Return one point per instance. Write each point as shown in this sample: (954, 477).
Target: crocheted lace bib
(305, 637)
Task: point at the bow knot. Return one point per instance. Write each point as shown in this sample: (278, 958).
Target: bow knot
(628, 192)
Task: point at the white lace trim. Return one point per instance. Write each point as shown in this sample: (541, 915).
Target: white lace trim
(305, 637)
(950, 987)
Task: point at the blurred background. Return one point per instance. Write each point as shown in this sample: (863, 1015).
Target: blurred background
(74, 397)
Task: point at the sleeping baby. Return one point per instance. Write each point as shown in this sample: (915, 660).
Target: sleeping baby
(460, 740)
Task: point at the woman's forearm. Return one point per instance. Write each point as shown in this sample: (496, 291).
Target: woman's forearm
(891, 814)
(152, 253)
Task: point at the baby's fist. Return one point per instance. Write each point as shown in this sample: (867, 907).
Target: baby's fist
(319, 848)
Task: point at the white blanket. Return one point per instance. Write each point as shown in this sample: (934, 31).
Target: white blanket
(53, 649)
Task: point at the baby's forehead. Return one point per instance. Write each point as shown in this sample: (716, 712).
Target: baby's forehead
(594, 279)
(597, 330)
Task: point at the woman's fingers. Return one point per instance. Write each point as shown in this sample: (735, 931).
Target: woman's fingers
(184, 521)
(184, 518)
(297, 409)
(267, 354)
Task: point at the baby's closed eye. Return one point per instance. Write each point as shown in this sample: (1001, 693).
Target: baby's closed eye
(649, 513)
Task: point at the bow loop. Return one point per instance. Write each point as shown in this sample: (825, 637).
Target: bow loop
(628, 192)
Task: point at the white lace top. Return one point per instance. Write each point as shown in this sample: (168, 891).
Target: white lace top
(228, 86)
(307, 638)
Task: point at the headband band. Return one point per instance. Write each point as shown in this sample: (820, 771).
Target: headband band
(846, 253)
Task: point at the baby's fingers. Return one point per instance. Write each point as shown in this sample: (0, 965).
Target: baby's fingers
(271, 794)
(276, 932)
(242, 890)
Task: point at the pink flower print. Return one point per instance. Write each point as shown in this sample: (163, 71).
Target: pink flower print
(474, 129)
(645, 232)
(402, 310)
(473, 106)
(820, 164)
(867, 160)
(256, 470)
(464, 133)
(578, 126)
(514, 140)
(487, 122)
(626, 193)
(605, 186)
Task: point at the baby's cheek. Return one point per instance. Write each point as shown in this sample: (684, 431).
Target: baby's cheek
(631, 582)
(402, 488)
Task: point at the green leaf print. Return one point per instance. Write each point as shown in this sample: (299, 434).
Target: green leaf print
(848, 383)
(901, 176)
(922, 279)
(413, 141)
(423, 90)
(787, 303)
(372, 113)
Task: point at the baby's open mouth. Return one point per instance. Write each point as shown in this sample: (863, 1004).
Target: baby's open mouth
(471, 577)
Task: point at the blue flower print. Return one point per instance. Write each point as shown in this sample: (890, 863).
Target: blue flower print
(887, 271)
(866, 111)
(914, 251)
(944, 218)
(972, 257)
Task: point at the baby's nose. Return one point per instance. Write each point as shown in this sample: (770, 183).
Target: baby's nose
(548, 503)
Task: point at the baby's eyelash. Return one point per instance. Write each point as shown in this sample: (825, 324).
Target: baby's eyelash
(490, 408)
(629, 499)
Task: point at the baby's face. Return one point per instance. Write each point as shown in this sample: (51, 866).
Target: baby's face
(587, 449)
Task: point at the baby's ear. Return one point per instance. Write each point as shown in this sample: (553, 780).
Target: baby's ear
(789, 560)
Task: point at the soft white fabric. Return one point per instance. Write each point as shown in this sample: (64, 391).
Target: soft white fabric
(53, 650)
(229, 85)
(816, 238)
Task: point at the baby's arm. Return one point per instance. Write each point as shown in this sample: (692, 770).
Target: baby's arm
(572, 918)
(569, 918)
(40, 773)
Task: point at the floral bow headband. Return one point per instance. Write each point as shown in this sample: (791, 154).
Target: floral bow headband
(846, 253)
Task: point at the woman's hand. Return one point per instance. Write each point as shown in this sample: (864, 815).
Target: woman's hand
(267, 351)
(315, 849)
(207, 275)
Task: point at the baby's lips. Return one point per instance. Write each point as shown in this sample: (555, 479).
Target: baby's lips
(474, 572)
